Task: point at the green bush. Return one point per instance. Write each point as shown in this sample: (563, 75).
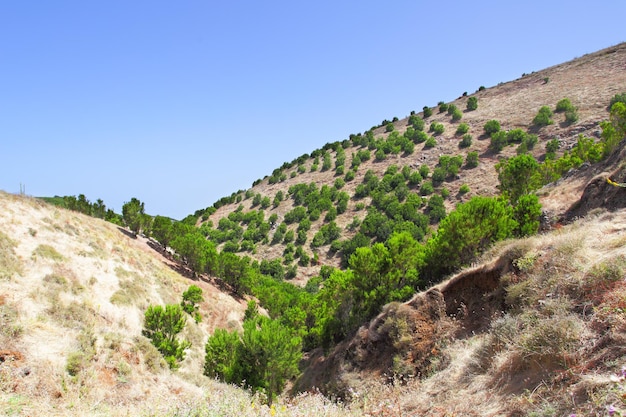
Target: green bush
(191, 298)
(436, 128)
(415, 178)
(462, 129)
(427, 112)
(564, 105)
(424, 170)
(427, 188)
(491, 127)
(471, 160)
(617, 98)
(443, 107)
(543, 117)
(466, 142)
(571, 116)
(530, 141)
(464, 189)
(472, 103)
(457, 114)
(527, 212)
(431, 142)
(439, 175)
(416, 122)
(436, 208)
(517, 176)
(499, 140)
(466, 232)
(552, 146)
(161, 326)
(516, 136)
(264, 357)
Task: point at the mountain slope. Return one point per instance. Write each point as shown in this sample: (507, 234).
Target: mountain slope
(589, 82)
(73, 293)
(535, 327)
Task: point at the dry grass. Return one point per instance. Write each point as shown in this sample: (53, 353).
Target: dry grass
(9, 263)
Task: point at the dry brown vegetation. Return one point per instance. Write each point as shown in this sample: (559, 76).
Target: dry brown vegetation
(536, 327)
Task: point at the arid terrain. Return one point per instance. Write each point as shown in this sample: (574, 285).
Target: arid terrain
(535, 327)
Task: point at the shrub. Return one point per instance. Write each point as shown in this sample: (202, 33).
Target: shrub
(439, 174)
(431, 142)
(516, 136)
(191, 298)
(517, 176)
(416, 122)
(457, 114)
(472, 103)
(499, 140)
(462, 129)
(467, 231)
(543, 117)
(350, 175)
(389, 127)
(424, 170)
(436, 208)
(530, 141)
(443, 107)
(564, 105)
(527, 212)
(464, 189)
(427, 112)
(466, 142)
(491, 127)
(436, 128)
(571, 116)
(427, 188)
(415, 178)
(617, 98)
(471, 160)
(161, 326)
(552, 146)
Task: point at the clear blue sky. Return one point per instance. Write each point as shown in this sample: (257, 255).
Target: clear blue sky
(180, 103)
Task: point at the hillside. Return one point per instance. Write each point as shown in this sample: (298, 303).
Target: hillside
(73, 292)
(589, 82)
(534, 327)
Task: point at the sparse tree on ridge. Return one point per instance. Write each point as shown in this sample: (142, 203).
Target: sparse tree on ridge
(133, 215)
